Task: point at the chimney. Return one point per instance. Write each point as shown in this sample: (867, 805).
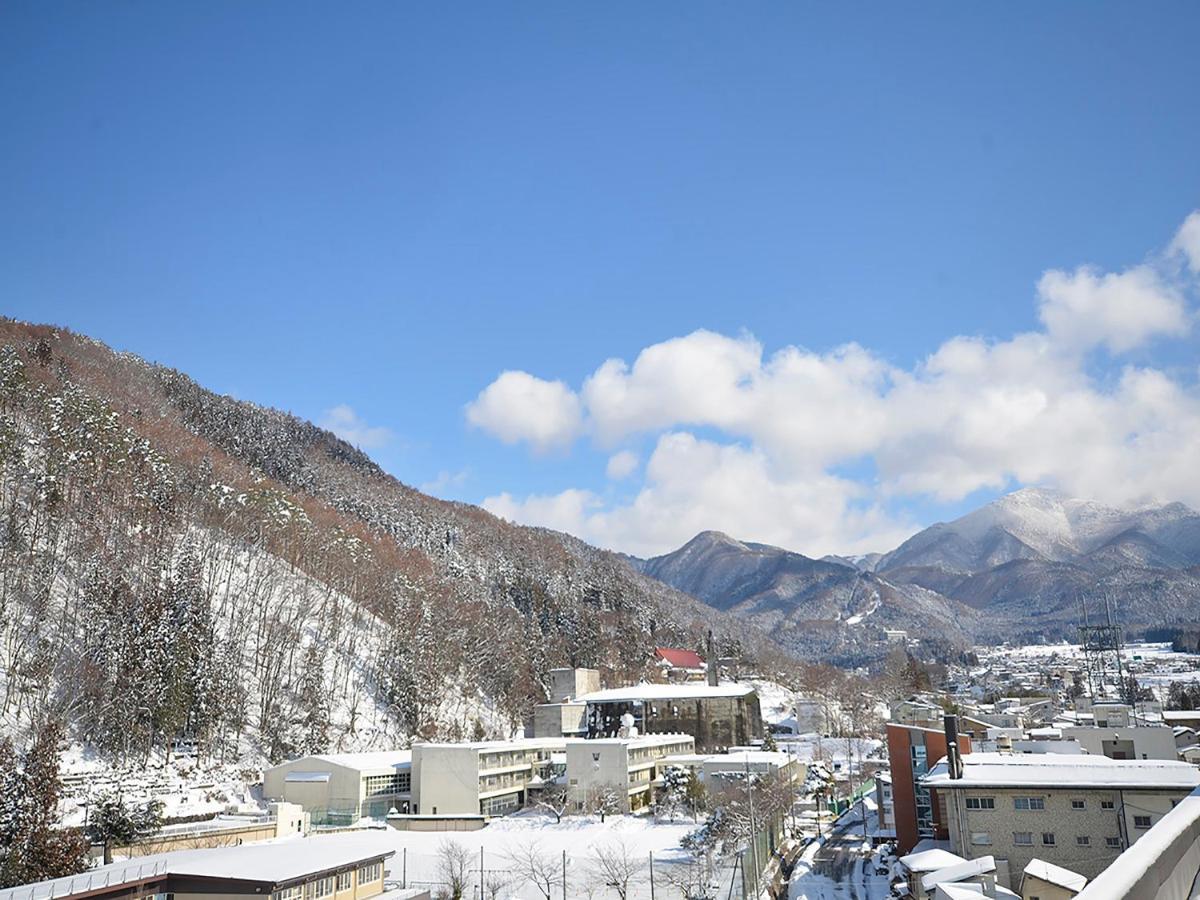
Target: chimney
(713, 665)
(953, 756)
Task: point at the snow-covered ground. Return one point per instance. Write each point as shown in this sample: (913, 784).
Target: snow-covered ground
(417, 853)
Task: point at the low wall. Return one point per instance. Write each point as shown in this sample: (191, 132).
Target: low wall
(1161, 865)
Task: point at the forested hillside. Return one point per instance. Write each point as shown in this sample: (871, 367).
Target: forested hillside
(177, 565)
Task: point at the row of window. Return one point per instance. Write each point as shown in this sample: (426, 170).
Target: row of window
(1030, 803)
(324, 887)
(400, 783)
(1025, 839)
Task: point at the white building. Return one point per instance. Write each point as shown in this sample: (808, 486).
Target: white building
(633, 766)
(340, 788)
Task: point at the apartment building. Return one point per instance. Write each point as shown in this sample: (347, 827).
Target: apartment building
(490, 778)
(1077, 812)
(632, 765)
(340, 788)
(331, 867)
(913, 750)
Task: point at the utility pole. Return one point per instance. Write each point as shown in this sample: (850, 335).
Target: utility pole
(564, 874)
(753, 833)
(481, 871)
(652, 875)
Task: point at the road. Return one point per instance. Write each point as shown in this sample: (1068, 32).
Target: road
(834, 870)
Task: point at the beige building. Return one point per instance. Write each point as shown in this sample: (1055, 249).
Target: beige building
(633, 766)
(330, 867)
(341, 788)
(490, 778)
(1045, 881)
(1078, 812)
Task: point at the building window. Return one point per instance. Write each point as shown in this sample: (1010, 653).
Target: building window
(1023, 838)
(1078, 804)
(1142, 822)
(370, 873)
(1082, 840)
(1029, 803)
(1048, 838)
(343, 881)
(980, 838)
(981, 803)
(1108, 804)
(1113, 843)
(323, 887)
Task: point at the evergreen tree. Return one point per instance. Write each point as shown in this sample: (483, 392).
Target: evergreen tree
(115, 824)
(31, 847)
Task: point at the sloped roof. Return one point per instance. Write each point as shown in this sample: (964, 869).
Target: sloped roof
(680, 659)
(1052, 874)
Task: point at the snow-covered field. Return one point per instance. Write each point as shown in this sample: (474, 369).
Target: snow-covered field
(417, 853)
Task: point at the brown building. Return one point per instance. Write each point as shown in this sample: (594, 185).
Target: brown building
(913, 751)
(333, 867)
(717, 716)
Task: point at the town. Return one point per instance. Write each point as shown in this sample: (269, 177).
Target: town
(1050, 771)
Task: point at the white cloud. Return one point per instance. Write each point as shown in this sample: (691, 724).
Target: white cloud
(1187, 242)
(343, 421)
(519, 407)
(1036, 408)
(446, 479)
(1085, 308)
(621, 465)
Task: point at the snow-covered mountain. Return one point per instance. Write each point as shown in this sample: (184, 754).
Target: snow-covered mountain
(1040, 524)
(833, 610)
(1017, 567)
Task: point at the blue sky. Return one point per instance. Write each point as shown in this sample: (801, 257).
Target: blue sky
(375, 209)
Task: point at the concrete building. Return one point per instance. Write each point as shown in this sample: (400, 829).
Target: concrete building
(1163, 865)
(490, 778)
(330, 867)
(717, 716)
(913, 751)
(564, 715)
(1078, 812)
(633, 766)
(1124, 741)
(756, 762)
(340, 788)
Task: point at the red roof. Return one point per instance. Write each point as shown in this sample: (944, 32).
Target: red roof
(680, 659)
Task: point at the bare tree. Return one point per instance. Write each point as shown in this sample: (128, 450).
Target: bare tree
(695, 877)
(617, 864)
(554, 799)
(604, 799)
(541, 868)
(454, 866)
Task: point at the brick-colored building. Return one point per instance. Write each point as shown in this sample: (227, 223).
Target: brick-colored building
(913, 751)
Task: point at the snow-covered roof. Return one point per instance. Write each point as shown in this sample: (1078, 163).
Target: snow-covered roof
(269, 862)
(307, 777)
(642, 740)
(667, 692)
(970, 868)
(1181, 715)
(958, 892)
(930, 860)
(378, 759)
(750, 757)
(1044, 770)
(680, 659)
(1052, 874)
